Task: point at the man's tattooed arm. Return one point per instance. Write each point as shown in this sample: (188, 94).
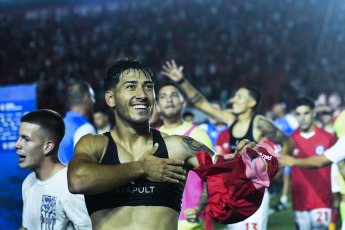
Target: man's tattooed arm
(195, 99)
(194, 146)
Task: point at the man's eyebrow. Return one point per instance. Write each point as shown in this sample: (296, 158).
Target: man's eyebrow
(130, 82)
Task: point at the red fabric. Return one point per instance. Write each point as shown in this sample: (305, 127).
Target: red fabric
(311, 188)
(335, 215)
(222, 144)
(233, 196)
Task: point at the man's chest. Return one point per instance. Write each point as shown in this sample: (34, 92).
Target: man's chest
(308, 147)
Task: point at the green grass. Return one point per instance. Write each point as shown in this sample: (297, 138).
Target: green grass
(283, 220)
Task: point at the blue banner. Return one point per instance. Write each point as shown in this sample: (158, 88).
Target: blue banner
(15, 101)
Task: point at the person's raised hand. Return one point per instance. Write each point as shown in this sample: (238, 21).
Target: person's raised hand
(171, 70)
(162, 169)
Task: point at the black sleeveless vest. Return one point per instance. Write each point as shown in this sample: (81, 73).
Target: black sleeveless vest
(139, 192)
(234, 140)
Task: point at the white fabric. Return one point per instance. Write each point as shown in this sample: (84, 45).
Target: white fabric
(316, 219)
(82, 131)
(337, 152)
(49, 204)
(335, 179)
(292, 120)
(107, 129)
(258, 220)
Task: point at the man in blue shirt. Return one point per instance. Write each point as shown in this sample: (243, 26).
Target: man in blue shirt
(80, 98)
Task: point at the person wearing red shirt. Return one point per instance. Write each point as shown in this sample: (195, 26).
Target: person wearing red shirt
(311, 189)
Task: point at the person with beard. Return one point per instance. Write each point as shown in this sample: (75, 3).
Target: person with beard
(243, 123)
(170, 103)
(119, 172)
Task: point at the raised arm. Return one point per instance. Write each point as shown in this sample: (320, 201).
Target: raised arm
(175, 73)
(271, 132)
(87, 176)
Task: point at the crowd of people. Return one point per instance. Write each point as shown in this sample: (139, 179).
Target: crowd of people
(289, 51)
(282, 47)
(46, 148)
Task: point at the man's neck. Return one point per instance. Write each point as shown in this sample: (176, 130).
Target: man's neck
(171, 123)
(79, 109)
(245, 117)
(48, 170)
(310, 130)
(127, 135)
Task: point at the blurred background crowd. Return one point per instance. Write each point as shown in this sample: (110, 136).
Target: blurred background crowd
(284, 47)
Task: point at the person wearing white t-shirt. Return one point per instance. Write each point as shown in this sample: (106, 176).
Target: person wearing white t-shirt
(47, 202)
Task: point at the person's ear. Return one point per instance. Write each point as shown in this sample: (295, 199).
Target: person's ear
(110, 98)
(48, 146)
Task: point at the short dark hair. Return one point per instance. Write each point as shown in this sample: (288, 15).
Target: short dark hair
(255, 94)
(113, 73)
(187, 113)
(77, 92)
(49, 121)
(306, 101)
(168, 83)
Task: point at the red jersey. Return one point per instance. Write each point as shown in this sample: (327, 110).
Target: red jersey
(223, 142)
(236, 188)
(311, 188)
(223, 147)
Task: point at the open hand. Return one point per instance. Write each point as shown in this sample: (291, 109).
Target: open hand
(171, 70)
(162, 169)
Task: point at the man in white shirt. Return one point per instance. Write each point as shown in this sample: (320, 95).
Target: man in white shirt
(48, 204)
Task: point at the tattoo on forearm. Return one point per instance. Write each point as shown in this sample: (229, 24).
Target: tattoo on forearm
(203, 199)
(195, 99)
(195, 146)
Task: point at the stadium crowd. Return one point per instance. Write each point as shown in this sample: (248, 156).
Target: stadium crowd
(282, 47)
(286, 49)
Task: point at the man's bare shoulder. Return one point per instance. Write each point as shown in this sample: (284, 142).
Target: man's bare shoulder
(98, 138)
(171, 138)
(92, 144)
(164, 134)
(262, 121)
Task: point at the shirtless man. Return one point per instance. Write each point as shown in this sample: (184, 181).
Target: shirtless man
(118, 180)
(243, 123)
